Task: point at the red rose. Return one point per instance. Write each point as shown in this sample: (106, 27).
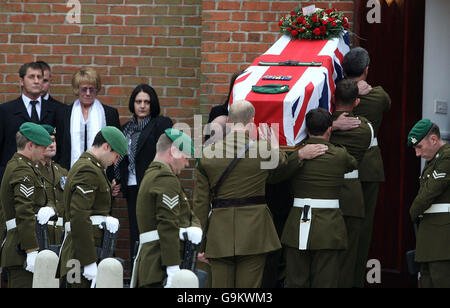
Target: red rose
(317, 31)
(308, 26)
(324, 22)
(294, 32)
(293, 13)
(289, 29)
(328, 11)
(302, 29)
(333, 23)
(315, 19)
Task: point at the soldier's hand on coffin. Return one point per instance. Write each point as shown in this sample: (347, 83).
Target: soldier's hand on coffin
(31, 260)
(311, 151)
(270, 134)
(112, 224)
(171, 271)
(343, 122)
(44, 214)
(195, 234)
(90, 271)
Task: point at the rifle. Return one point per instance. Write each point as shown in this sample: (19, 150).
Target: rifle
(108, 244)
(190, 260)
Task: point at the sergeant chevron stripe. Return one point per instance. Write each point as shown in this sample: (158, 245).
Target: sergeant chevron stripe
(439, 175)
(26, 191)
(170, 202)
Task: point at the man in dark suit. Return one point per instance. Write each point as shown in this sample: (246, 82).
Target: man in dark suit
(47, 82)
(29, 107)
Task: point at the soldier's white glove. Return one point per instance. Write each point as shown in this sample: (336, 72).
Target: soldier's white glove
(171, 271)
(112, 224)
(194, 234)
(90, 271)
(31, 260)
(44, 214)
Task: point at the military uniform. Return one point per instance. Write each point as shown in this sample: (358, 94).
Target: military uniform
(432, 205)
(351, 202)
(22, 195)
(162, 209)
(371, 172)
(54, 177)
(87, 201)
(239, 230)
(315, 236)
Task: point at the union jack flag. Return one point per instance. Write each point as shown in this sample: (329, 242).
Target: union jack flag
(309, 88)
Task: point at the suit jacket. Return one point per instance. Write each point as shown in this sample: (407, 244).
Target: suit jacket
(65, 144)
(146, 148)
(12, 115)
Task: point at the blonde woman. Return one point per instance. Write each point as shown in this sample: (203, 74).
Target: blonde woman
(85, 117)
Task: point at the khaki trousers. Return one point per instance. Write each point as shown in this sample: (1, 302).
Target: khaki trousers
(238, 271)
(312, 268)
(435, 274)
(348, 256)
(18, 277)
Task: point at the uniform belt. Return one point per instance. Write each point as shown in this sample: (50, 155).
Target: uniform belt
(237, 202)
(58, 223)
(374, 142)
(11, 224)
(96, 220)
(305, 221)
(317, 203)
(146, 237)
(438, 208)
(352, 175)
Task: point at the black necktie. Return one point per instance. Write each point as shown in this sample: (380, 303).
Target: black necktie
(34, 114)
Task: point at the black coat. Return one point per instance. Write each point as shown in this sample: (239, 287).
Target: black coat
(12, 115)
(64, 144)
(146, 149)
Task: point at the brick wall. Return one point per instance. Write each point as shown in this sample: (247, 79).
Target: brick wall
(186, 49)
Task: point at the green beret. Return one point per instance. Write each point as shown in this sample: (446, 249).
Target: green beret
(50, 129)
(115, 139)
(35, 133)
(182, 141)
(271, 89)
(419, 131)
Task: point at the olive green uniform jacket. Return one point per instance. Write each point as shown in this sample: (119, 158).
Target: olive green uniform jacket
(22, 194)
(161, 205)
(54, 188)
(372, 106)
(318, 178)
(87, 192)
(433, 235)
(356, 141)
(236, 231)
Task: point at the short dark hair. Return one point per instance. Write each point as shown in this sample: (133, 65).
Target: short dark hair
(346, 92)
(33, 65)
(434, 130)
(155, 109)
(318, 121)
(99, 140)
(44, 65)
(355, 62)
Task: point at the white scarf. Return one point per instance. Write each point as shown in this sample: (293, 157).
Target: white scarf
(95, 122)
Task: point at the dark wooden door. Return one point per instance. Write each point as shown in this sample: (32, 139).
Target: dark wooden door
(396, 49)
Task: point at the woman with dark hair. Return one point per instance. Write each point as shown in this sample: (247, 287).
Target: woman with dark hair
(142, 134)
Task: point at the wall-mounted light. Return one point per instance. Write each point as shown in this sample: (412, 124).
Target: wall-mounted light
(399, 2)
